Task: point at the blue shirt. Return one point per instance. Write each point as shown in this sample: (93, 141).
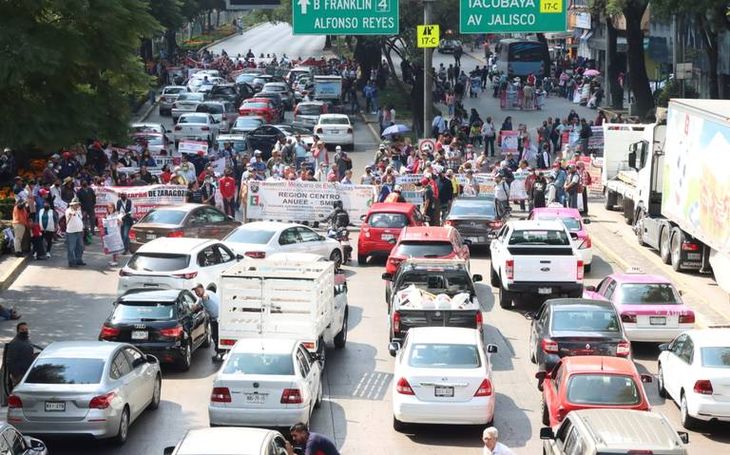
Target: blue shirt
(212, 304)
(319, 445)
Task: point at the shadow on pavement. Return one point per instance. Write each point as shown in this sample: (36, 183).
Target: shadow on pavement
(351, 373)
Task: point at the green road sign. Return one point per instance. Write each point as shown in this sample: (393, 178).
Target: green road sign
(345, 17)
(512, 16)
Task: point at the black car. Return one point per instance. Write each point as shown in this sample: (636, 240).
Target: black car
(225, 92)
(475, 218)
(168, 324)
(448, 46)
(264, 137)
(569, 327)
(245, 91)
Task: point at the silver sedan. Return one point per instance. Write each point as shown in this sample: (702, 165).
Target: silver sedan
(89, 388)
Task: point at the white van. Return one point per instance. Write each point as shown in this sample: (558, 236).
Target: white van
(614, 431)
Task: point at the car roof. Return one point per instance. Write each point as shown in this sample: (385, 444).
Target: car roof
(454, 335)
(223, 441)
(586, 304)
(600, 364)
(313, 103)
(557, 211)
(392, 207)
(625, 277)
(268, 345)
(80, 349)
(230, 137)
(334, 116)
(628, 429)
(410, 233)
(710, 336)
(175, 245)
(268, 225)
(163, 295)
(435, 264)
(537, 224)
(187, 207)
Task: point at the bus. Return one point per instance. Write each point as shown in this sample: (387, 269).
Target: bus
(520, 57)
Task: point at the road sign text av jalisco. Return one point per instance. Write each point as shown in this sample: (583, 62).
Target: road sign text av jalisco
(509, 16)
(345, 17)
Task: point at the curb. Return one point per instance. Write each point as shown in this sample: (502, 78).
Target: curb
(370, 127)
(148, 111)
(9, 277)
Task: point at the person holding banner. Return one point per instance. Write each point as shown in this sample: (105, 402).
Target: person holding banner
(124, 207)
(111, 233)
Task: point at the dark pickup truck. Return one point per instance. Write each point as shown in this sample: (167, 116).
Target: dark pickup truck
(428, 293)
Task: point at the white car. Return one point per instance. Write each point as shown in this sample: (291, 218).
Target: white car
(266, 383)
(442, 375)
(197, 126)
(230, 441)
(145, 128)
(307, 113)
(335, 129)
(262, 238)
(217, 109)
(185, 102)
(175, 263)
(169, 96)
(694, 370)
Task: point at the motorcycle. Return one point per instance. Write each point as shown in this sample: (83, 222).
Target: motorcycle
(342, 235)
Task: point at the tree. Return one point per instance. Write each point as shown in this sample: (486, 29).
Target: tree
(169, 13)
(598, 10)
(69, 69)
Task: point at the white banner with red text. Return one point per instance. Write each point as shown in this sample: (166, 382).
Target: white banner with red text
(144, 198)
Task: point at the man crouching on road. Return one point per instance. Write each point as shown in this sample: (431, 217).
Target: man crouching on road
(312, 443)
(211, 303)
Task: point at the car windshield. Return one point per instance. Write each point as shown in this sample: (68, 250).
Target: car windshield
(333, 121)
(539, 237)
(246, 235)
(388, 220)
(158, 262)
(243, 122)
(309, 109)
(254, 106)
(603, 389)
(444, 356)
(190, 97)
(479, 208)
(571, 223)
(716, 357)
(424, 249)
(174, 90)
(151, 139)
(239, 145)
(193, 119)
(147, 311)
(589, 320)
(258, 363)
(441, 282)
(247, 78)
(164, 217)
(648, 294)
(66, 371)
(274, 88)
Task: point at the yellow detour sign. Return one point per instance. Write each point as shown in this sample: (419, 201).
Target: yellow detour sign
(427, 35)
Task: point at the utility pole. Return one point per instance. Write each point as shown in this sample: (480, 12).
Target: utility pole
(427, 81)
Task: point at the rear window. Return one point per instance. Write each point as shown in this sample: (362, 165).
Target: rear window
(585, 321)
(274, 88)
(571, 223)
(539, 237)
(647, 294)
(716, 357)
(174, 90)
(164, 217)
(242, 122)
(151, 262)
(255, 105)
(603, 390)
(444, 356)
(66, 371)
(211, 108)
(424, 249)
(310, 109)
(143, 311)
(255, 363)
(334, 121)
(388, 220)
(190, 97)
(193, 119)
(482, 209)
(250, 236)
(227, 91)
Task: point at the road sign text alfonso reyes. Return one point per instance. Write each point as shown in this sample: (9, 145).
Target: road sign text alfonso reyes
(345, 17)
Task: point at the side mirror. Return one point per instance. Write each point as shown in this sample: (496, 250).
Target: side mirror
(150, 358)
(477, 278)
(683, 436)
(387, 276)
(239, 257)
(393, 348)
(492, 349)
(541, 375)
(586, 221)
(590, 288)
(632, 160)
(681, 292)
(171, 450)
(647, 378)
(664, 347)
(362, 217)
(547, 433)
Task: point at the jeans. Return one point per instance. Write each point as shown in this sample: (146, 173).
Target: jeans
(74, 248)
(125, 235)
(489, 144)
(48, 239)
(228, 206)
(214, 333)
(573, 199)
(560, 196)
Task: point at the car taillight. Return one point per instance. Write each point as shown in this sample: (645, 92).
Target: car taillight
(132, 235)
(220, 395)
(227, 342)
(255, 254)
(291, 396)
(479, 319)
(108, 332)
(175, 234)
(396, 321)
(178, 127)
(172, 332)
(688, 318)
(623, 349)
(704, 387)
(185, 276)
(395, 262)
(690, 246)
(102, 401)
(586, 243)
(319, 131)
(579, 271)
(549, 346)
(628, 317)
(485, 388)
(509, 269)
(309, 345)
(403, 387)
(14, 401)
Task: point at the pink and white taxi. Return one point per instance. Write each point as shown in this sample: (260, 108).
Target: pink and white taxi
(651, 309)
(576, 227)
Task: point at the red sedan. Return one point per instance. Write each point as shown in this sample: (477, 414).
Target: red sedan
(433, 242)
(381, 227)
(258, 106)
(591, 382)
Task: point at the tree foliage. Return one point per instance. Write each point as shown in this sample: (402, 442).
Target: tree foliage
(68, 69)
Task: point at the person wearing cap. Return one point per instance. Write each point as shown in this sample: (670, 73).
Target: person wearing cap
(430, 207)
(501, 196)
(367, 178)
(68, 166)
(74, 232)
(551, 200)
(210, 301)
(20, 225)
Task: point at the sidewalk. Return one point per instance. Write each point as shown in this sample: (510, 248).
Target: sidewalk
(10, 267)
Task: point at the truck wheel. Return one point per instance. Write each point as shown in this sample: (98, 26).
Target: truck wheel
(676, 248)
(341, 338)
(629, 212)
(505, 298)
(494, 278)
(639, 226)
(664, 252)
(610, 200)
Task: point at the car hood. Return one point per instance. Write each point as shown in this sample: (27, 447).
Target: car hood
(156, 226)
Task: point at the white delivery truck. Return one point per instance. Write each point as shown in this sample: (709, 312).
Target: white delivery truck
(681, 200)
(327, 88)
(297, 298)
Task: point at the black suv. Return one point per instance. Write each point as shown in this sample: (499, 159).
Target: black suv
(168, 324)
(225, 92)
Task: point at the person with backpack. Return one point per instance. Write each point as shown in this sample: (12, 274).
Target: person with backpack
(537, 191)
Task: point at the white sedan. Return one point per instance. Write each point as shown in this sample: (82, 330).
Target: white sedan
(694, 370)
(266, 383)
(442, 375)
(335, 129)
(197, 126)
(262, 238)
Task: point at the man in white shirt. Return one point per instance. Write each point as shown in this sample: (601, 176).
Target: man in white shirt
(501, 195)
(74, 234)
(491, 446)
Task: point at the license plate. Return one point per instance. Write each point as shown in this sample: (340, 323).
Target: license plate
(387, 237)
(657, 320)
(151, 236)
(544, 290)
(255, 398)
(332, 132)
(473, 239)
(139, 335)
(443, 391)
(55, 406)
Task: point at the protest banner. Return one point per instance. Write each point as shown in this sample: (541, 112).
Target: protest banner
(508, 142)
(192, 147)
(219, 166)
(305, 201)
(144, 198)
(111, 235)
(414, 194)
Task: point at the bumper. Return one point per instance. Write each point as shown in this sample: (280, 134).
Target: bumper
(478, 411)
(652, 335)
(337, 139)
(707, 408)
(126, 284)
(257, 417)
(166, 352)
(586, 255)
(570, 289)
(98, 424)
(374, 248)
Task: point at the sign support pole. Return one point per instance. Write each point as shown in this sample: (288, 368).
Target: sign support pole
(427, 81)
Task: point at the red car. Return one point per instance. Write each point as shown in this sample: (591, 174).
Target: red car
(381, 227)
(433, 242)
(259, 106)
(591, 382)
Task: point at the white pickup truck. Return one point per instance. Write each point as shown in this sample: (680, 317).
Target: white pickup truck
(536, 259)
(285, 298)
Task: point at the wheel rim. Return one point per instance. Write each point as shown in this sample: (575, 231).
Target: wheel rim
(188, 355)
(664, 243)
(336, 257)
(675, 248)
(156, 392)
(660, 380)
(124, 426)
